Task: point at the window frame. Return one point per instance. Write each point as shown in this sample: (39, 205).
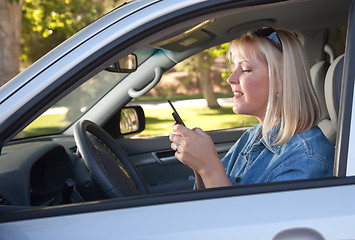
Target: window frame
(347, 98)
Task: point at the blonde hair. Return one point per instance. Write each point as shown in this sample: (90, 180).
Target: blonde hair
(292, 103)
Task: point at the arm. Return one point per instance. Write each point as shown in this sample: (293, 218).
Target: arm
(198, 181)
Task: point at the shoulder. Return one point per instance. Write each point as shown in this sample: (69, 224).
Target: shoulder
(301, 168)
(307, 155)
(312, 142)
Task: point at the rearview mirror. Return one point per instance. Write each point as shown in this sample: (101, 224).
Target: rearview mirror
(127, 64)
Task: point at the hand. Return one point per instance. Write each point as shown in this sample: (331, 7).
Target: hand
(193, 147)
(196, 149)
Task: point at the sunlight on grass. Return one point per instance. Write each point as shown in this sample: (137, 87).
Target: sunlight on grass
(45, 124)
(159, 123)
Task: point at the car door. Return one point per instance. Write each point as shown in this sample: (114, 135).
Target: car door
(158, 165)
(313, 209)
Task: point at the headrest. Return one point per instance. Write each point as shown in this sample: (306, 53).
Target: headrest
(332, 88)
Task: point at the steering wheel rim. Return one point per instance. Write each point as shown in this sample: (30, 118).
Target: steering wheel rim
(116, 179)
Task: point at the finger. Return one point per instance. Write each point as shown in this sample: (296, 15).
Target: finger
(181, 129)
(176, 138)
(199, 131)
(171, 137)
(174, 146)
(174, 132)
(174, 123)
(178, 156)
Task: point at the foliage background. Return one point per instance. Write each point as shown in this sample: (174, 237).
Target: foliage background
(47, 23)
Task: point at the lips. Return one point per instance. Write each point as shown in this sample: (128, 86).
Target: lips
(237, 94)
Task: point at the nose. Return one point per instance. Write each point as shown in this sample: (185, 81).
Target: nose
(234, 77)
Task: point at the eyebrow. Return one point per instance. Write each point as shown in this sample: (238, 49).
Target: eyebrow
(243, 61)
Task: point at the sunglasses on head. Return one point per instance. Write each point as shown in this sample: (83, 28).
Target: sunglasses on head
(270, 34)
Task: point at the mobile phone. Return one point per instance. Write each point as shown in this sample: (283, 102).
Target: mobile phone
(175, 114)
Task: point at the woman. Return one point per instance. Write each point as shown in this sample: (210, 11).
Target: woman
(271, 81)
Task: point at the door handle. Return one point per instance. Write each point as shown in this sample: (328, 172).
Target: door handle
(299, 233)
(165, 157)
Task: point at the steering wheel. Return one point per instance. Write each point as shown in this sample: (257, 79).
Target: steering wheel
(108, 163)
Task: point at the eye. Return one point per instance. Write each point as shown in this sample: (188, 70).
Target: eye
(246, 70)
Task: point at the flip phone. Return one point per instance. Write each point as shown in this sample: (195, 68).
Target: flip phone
(175, 114)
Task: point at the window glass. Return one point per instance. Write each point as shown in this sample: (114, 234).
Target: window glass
(188, 85)
(69, 109)
(336, 40)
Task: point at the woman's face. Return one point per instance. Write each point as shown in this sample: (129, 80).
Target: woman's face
(250, 85)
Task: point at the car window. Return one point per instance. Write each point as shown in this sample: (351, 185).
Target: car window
(336, 40)
(209, 69)
(72, 107)
(69, 109)
(188, 85)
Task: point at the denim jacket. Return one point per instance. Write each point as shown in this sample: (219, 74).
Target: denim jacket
(306, 155)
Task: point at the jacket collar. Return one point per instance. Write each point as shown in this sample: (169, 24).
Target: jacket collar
(274, 148)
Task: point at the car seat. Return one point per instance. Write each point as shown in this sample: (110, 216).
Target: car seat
(318, 75)
(332, 89)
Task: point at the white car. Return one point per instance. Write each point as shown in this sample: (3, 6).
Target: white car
(59, 182)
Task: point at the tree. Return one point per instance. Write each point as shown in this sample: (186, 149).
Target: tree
(10, 36)
(203, 77)
(40, 25)
(199, 66)
(47, 23)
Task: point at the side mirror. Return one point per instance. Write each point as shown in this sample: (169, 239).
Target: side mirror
(132, 120)
(127, 64)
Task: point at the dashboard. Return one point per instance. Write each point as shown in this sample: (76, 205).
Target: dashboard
(37, 173)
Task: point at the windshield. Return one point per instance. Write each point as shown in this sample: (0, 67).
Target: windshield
(69, 109)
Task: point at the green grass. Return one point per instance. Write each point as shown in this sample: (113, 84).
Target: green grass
(178, 97)
(44, 125)
(158, 121)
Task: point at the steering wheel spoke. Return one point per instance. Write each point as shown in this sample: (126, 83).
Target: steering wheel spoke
(109, 165)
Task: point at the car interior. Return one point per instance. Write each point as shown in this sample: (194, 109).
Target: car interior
(49, 170)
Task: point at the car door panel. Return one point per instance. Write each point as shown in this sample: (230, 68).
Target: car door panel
(322, 208)
(184, 216)
(161, 170)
